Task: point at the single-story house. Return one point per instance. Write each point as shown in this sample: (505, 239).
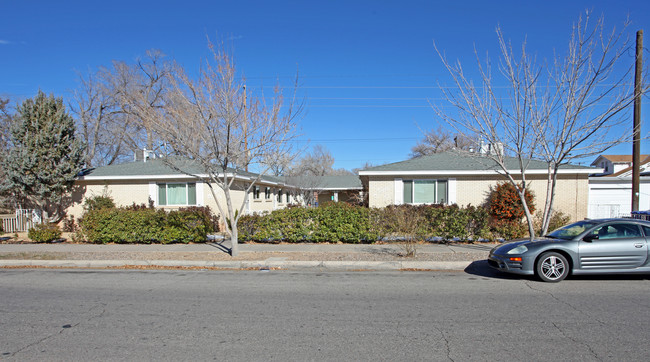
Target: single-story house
(339, 188)
(610, 192)
(463, 178)
(152, 179)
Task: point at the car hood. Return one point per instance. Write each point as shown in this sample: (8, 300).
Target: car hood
(505, 247)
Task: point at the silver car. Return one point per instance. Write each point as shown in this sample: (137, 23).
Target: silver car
(585, 247)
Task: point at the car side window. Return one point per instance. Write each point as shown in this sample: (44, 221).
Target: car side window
(617, 231)
(646, 231)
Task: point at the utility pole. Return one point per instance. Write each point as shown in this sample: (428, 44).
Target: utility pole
(636, 142)
(245, 131)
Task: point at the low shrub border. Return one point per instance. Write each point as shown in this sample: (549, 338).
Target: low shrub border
(144, 225)
(340, 222)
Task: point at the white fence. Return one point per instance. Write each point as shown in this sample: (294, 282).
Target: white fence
(21, 221)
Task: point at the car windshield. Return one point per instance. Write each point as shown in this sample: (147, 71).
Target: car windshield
(572, 230)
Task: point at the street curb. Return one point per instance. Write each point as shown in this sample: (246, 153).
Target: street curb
(255, 264)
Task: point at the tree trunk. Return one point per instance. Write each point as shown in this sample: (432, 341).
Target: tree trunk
(234, 250)
(547, 220)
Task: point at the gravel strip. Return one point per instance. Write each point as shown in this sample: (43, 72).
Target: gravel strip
(217, 256)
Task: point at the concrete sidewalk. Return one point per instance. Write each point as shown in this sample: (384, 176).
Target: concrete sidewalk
(251, 256)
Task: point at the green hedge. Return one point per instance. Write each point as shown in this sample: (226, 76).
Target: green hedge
(143, 225)
(331, 222)
(336, 222)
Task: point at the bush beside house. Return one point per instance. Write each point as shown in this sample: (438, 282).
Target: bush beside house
(338, 222)
(141, 224)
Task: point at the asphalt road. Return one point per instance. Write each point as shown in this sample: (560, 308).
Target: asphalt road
(81, 315)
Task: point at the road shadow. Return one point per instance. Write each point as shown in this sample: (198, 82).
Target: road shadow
(610, 277)
(482, 269)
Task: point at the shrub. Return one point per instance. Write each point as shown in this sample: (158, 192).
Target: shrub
(504, 202)
(99, 202)
(208, 217)
(43, 233)
(509, 229)
(332, 222)
(558, 219)
(143, 225)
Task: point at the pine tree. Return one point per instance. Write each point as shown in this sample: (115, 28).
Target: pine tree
(44, 156)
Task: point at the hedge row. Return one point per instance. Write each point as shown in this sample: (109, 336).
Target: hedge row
(143, 225)
(335, 222)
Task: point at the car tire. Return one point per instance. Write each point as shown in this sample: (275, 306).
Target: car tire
(552, 267)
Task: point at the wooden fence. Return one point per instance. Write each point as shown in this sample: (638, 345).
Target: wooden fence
(21, 221)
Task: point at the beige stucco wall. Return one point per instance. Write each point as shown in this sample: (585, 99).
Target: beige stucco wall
(571, 195)
(125, 193)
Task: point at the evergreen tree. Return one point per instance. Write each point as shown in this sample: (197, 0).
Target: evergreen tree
(44, 156)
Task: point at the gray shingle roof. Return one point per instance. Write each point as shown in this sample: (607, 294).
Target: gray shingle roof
(157, 168)
(340, 182)
(457, 161)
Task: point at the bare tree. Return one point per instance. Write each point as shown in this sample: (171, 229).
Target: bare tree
(440, 140)
(101, 124)
(507, 122)
(142, 91)
(318, 162)
(555, 114)
(210, 121)
(587, 112)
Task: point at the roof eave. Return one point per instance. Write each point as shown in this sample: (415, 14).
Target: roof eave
(471, 172)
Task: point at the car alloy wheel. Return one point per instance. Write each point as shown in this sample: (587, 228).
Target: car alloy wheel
(552, 267)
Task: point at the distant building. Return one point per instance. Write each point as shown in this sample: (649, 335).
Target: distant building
(610, 192)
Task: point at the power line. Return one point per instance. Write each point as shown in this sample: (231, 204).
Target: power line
(338, 140)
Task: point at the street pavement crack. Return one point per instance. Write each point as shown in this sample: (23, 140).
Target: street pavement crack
(563, 302)
(60, 331)
(444, 338)
(577, 342)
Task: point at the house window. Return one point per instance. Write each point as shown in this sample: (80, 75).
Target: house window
(280, 195)
(425, 191)
(176, 194)
(256, 192)
(267, 193)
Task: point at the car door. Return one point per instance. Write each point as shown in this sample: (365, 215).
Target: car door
(617, 245)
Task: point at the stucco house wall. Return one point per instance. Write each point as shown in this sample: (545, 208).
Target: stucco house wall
(469, 179)
(138, 182)
(571, 194)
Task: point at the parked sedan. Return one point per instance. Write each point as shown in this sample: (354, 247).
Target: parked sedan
(585, 247)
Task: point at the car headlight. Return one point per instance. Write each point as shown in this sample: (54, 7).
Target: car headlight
(518, 250)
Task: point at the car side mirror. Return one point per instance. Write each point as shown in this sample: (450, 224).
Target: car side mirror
(590, 238)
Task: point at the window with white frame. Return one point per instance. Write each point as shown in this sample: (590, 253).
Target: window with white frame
(267, 193)
(426, 192)
(177, 194)
(256, 192)
(279, 195)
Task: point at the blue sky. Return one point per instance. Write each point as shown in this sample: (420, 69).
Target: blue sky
(368, 68)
